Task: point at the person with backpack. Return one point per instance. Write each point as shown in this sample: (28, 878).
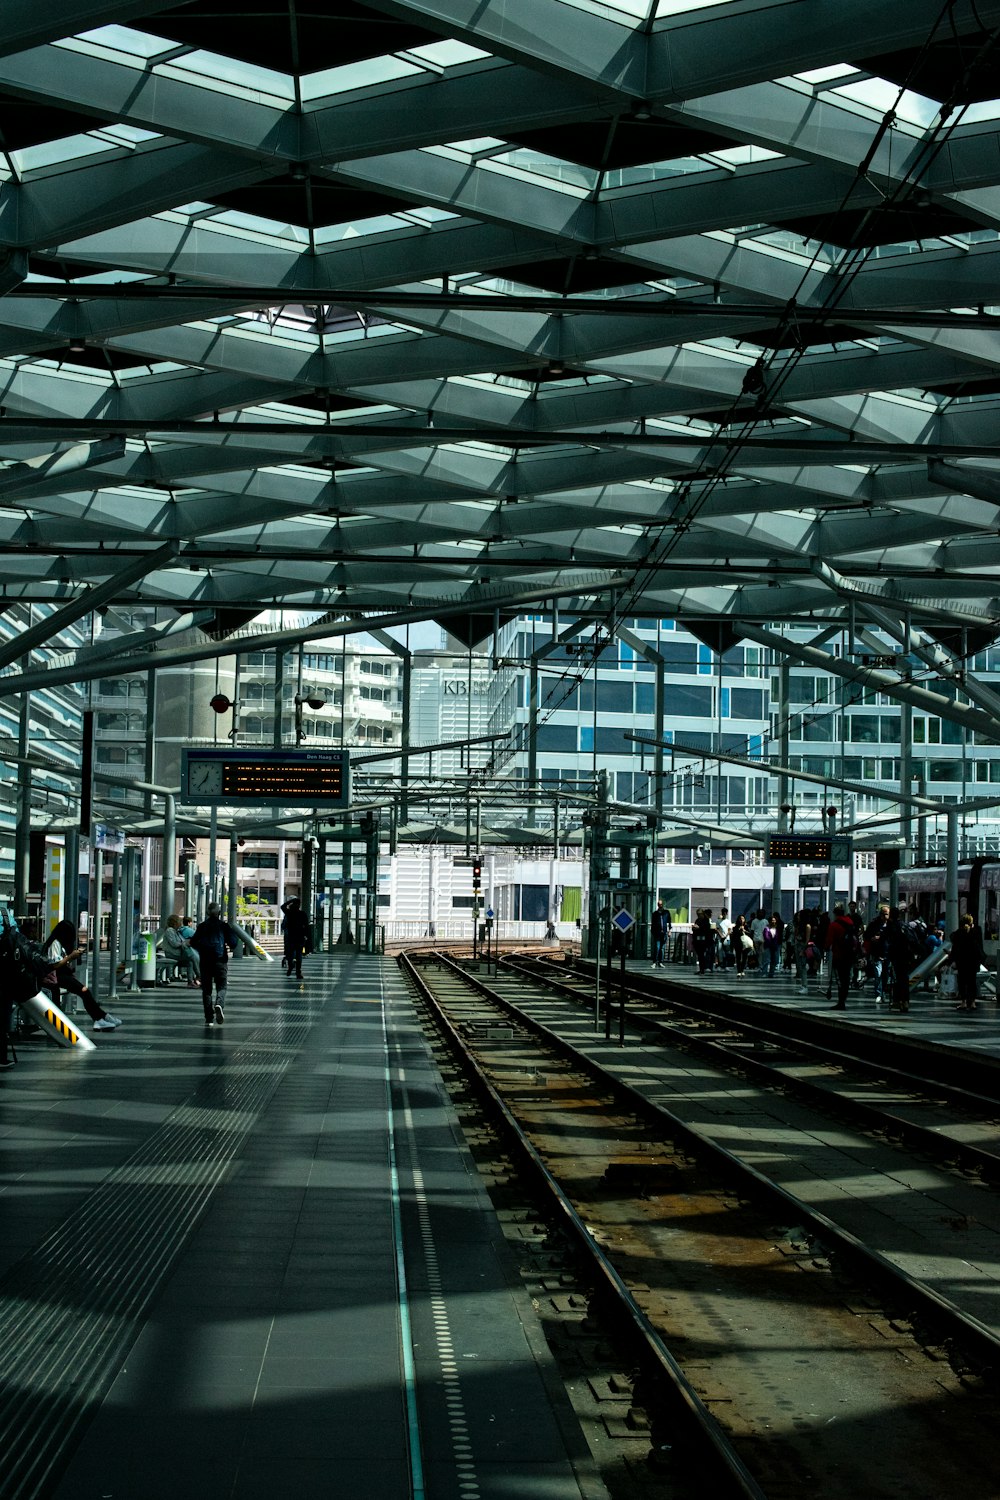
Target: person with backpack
(843, 946)
(898, 947)
(212, 938)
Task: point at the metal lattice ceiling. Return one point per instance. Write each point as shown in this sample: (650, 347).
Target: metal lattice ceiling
(424, 306)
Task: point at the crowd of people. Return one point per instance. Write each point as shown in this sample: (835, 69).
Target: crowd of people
(842, 950)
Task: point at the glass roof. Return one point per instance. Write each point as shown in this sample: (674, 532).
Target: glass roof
(488, 293)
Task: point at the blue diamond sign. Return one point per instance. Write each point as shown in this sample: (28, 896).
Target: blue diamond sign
(623, 920)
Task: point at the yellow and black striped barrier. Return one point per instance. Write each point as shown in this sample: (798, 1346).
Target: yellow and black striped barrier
(52, 1021)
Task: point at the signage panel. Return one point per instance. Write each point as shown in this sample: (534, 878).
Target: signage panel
(318, 778)
(109, 840)
(809, 848)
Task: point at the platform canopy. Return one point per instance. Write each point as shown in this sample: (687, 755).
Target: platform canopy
(680, 310)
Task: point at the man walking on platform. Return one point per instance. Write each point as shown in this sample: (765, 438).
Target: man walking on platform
(211, 939)
(660, 933)
(297, 935)
(844, 946)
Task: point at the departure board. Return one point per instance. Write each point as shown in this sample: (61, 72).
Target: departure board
(809, 848)
(318, 778)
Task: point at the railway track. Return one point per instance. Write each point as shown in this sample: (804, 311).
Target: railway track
(954, 1124)
(780, 1351)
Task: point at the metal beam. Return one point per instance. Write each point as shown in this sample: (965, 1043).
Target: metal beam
(654, 305)
(904, 692)
(91, 599)
(967, 481)
(484, 596)
(772, 768)
(806, 447)
(400, 754)
(17, 477)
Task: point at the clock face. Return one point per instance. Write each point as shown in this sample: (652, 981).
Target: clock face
(205, 776)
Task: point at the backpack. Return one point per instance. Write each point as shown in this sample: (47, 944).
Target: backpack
(22, 965)
(850, 943)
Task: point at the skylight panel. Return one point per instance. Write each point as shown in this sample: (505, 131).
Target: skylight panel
(553, 167)
(357, 76)
(361, 228)
(138, 44)
(825, 75)
(880, 94)
(58, 153)
(982, 110)
(681, 7)
(449, 53)
(228, 73)
(269, 228)
(130, 134)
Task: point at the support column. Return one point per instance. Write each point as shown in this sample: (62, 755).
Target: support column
(149, 757)
(431, 890)
(22, 831)
(146, 908)
(404, 774)
(279, 696)
(533, 706)
(319, 890)
(169, 858)
(71, 878)
(905, 786)
(234, 857)
(213, 850)
(308, 866)
(95, 964)
(346, 866)
(371, 882)
(130, 913)
(554, 862)
(951, 873)
(113, 925)
(784, 694)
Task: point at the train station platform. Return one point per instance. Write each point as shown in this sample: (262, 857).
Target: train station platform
(932, 1016)
(257, 1259)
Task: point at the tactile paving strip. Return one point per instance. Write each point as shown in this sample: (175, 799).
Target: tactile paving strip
(70, 1310)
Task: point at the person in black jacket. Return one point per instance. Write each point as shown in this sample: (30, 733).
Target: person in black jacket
(897, 950)
(703, 939)
(212, 938)
(297, 935)
(967, 956)
(660, 933)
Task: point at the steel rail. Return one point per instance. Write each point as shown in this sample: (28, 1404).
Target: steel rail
(978, 1342)
(727, 1467)
(871, 1116)
(967, 1074)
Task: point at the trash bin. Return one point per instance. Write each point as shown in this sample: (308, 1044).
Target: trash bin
(145, 949)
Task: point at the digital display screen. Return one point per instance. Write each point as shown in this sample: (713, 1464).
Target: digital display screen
(809, 848)
(314, 777)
